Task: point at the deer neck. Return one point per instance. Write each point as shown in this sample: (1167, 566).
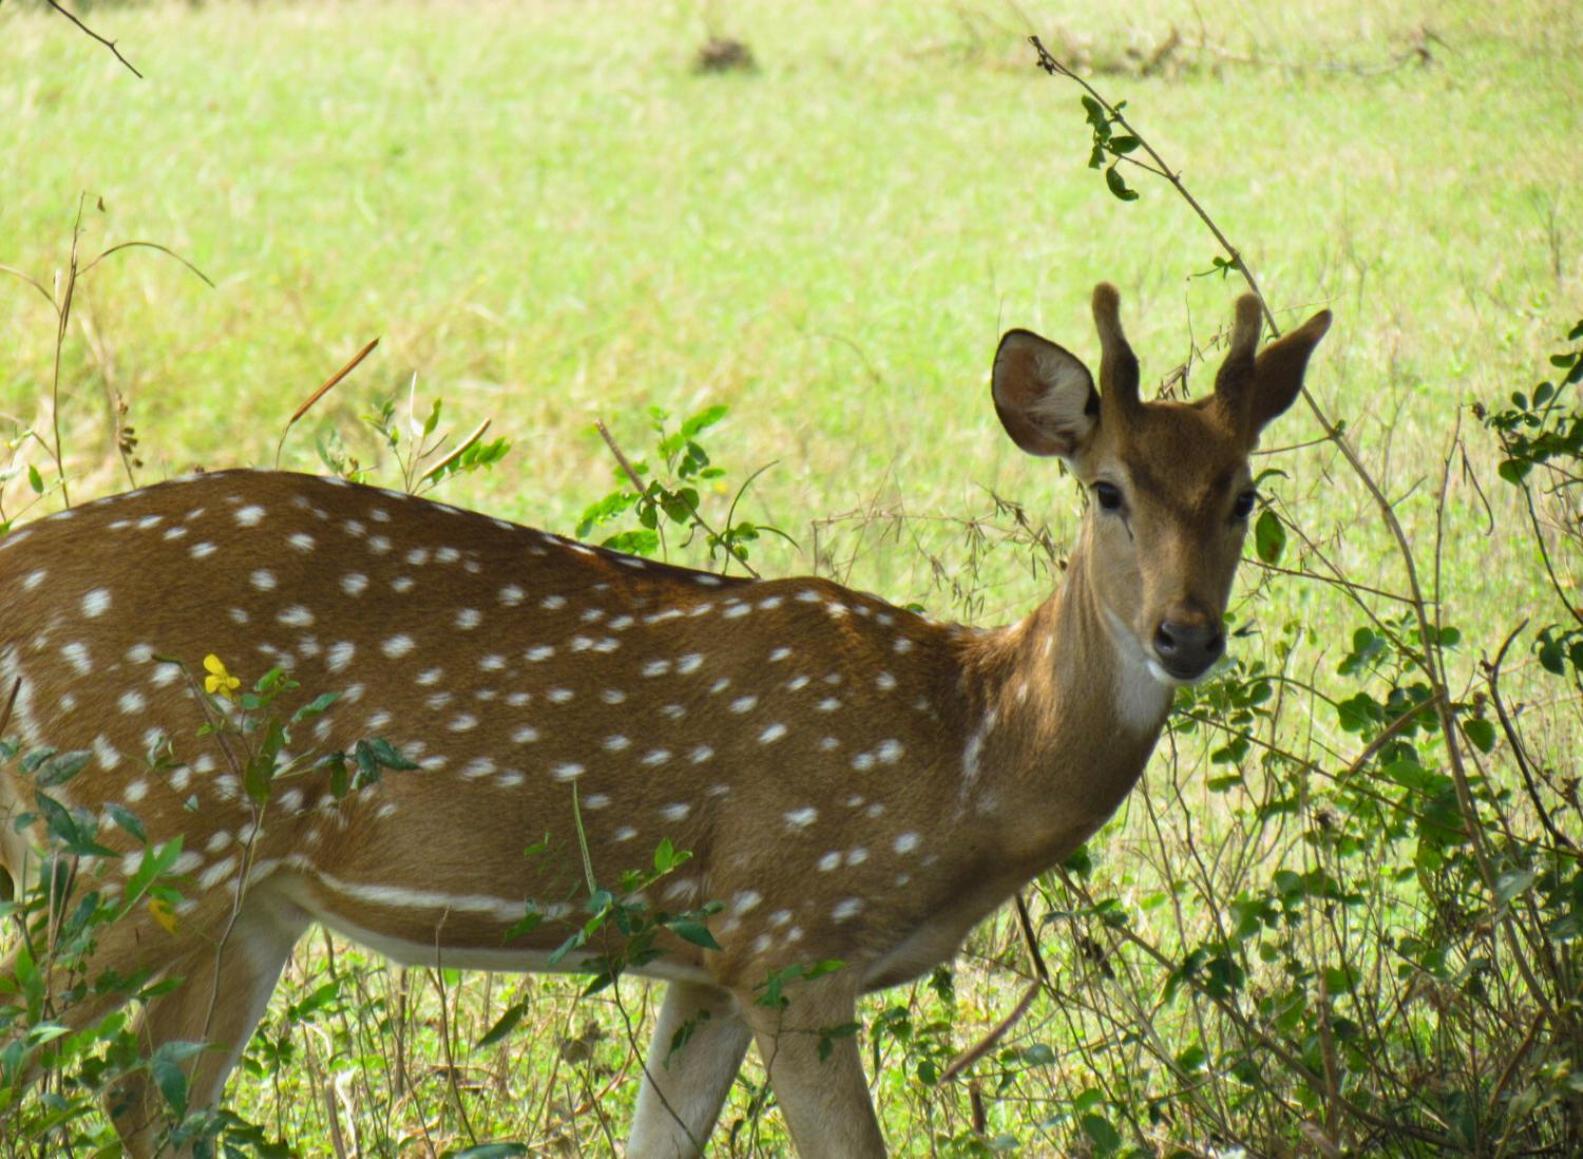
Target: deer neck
(1067, 713)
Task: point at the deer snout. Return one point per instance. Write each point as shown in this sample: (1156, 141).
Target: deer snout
(1187, 642)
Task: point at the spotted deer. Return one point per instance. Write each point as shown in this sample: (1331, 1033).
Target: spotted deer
(854, 782)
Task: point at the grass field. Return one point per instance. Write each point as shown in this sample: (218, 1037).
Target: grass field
(548, 216)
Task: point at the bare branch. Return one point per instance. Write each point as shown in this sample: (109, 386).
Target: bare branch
(110, 44)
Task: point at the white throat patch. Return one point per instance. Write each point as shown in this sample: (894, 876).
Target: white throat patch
(1143, 688)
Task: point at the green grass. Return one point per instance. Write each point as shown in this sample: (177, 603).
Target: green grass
(548, 216)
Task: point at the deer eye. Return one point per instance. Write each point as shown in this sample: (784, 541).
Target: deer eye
(1243, 507)
(1108, 496)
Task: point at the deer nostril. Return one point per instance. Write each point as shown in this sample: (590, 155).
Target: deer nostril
(1214, 645)
(1186, 648)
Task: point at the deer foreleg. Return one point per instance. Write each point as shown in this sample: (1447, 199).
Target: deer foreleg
(695, 1055)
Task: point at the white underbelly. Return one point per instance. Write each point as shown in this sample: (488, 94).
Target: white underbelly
(504, 960)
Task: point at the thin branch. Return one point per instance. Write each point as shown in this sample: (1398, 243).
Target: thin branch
(37, 285)
(110, 44)
(329, 384)
(432, 475)
(150, 245)
(987, 1043)
(1492, 674)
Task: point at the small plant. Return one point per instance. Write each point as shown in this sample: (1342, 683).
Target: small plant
(417, 444)
(69, 1033)
(671, 496)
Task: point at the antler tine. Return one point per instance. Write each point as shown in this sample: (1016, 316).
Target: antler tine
(1118, 365)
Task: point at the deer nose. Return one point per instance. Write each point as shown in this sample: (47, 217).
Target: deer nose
(1187, 647)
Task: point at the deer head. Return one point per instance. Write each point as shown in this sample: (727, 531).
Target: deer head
(1170, 485)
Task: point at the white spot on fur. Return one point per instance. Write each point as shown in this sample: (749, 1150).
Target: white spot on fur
(397, 646)
(76, 654)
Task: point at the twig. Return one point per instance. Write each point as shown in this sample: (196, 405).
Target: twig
(110, 44)
(62, 318)
(626, 464)
(10, 705)
(1492, 673)
(984, 1045)
(433, 474)
(329, 384)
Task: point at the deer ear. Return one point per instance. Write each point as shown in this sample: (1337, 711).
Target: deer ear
(1278, 371)
(1044, 395)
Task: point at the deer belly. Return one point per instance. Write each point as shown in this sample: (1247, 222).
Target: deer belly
(430, 927)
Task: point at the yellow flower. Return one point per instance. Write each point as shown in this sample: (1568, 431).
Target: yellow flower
(161, 911)
(219, 681)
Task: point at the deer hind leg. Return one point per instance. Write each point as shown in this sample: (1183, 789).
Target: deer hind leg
(683, 1089)
(224, 992)
(826, 1099)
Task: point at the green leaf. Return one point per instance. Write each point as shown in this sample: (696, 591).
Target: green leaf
(704, 419)
(1340, 979)
(156, 861)
(1123, 144)
(530, 922)
(1481, 733)
(828, 1036)
(386, 755)
(1508, 885)
(692, 930)
(488, 1151)
(1039, 1054)
(1358, 712)
(35, 480)
(316, 708)
(126, 819)
(261, 769)
(62, 767)
(634, 542)
(505, 1024)
(667, 857)
(1118, 185)
(1097, 118)
(1514, 471)
(166, 1067)
(1104, 1137)
(1269, 537)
